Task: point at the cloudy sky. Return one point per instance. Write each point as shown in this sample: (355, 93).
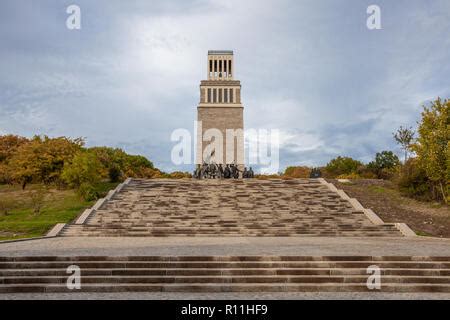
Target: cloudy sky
(309, 68)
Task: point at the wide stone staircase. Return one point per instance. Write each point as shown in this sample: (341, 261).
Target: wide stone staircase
(40, 274)
(298, 207)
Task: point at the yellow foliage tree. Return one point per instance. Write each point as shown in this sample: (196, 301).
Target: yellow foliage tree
(433, 146)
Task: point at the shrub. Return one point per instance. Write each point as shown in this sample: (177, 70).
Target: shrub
(412, 180)
(179, 175)
(37, 198)
(352, 175)
(114, 173)
(6, 205)
(297, 172)
(88, 192)
(366, 173)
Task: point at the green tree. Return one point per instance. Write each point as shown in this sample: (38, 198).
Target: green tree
(83, 169)
(405, 138)
(118, 164)
(383, 164)
(55, 152)
(112, 160)
(432, 146)
(342, 165)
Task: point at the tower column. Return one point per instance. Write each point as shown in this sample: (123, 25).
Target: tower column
(220, 111)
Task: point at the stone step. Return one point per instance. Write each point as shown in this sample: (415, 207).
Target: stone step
(160, 279)
(42, 272)
(226, 258)
(221, 287)
(224, 264)
(229, 229)
(262, 234)
(235, 234)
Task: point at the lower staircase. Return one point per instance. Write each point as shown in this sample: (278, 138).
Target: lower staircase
(224, 274)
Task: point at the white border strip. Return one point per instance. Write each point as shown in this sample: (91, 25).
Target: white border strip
(405, 230)
(100, 202)
(83, 216)
(55, 230)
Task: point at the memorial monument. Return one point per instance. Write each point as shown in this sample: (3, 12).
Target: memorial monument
(220, 136)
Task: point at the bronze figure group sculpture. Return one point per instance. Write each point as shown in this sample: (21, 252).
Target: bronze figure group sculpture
(218, 171)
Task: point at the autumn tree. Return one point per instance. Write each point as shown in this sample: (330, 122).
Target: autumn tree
(9, 144)
(24, 164)
(8, 147)
(405, 138)
(42, 159)
(433, 145)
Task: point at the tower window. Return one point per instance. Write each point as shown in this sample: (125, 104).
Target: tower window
(209, 95)
(225, 95)
(214, 95)
(231, 96)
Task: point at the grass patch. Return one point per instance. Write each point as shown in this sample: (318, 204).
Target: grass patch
(59, 206)
(422, 234)
(385, 191)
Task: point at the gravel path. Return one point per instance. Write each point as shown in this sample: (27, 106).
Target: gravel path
(316, 246)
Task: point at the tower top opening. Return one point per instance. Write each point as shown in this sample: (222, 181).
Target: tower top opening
(220, 65)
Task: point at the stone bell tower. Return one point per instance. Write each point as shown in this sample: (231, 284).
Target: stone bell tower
(220, 112)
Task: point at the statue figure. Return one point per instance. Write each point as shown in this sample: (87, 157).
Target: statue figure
(234, 171)
(227, 172)
(212, 170)
(204, 171)
(220, 169)
(197, 172)
(245, 173)
(251, 174)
